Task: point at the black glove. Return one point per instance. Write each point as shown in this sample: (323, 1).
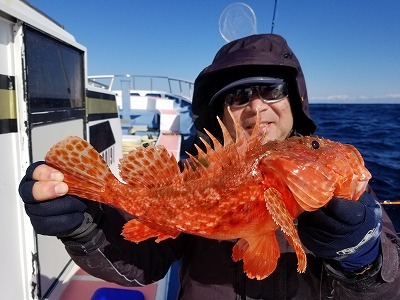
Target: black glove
(66, 216)
(346, 231)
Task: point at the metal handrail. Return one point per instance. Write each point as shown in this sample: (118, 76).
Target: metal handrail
(108, 82)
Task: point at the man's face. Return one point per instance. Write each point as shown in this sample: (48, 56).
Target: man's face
(275, 118)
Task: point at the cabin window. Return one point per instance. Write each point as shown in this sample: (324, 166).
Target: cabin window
(176, 99)
(54, 74)
(153, 95)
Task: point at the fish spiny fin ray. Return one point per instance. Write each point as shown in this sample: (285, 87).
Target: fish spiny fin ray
(256, 138)
(224, 153)
(259, 253)
(241, 141)
(198, 168)
(85, 171)
(136, 231)
(216, 144)
(225, 134)
(246, 145)
(282, 218)
(149, 167)
(212, 158)
(208, 158)
(207, 145)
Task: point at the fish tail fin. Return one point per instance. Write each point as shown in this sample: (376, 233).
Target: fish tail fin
(260, 255)
(85, 171)
(282, 218)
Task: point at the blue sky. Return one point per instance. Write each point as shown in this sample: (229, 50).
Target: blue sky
(349, 49)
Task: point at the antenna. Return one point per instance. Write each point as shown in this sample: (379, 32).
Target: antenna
(273, 17)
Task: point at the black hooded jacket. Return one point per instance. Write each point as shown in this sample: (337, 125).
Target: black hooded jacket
(208, 272)
(264, 55)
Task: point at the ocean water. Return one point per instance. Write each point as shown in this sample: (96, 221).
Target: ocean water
(374, 129)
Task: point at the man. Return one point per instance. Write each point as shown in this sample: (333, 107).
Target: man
(352, 252)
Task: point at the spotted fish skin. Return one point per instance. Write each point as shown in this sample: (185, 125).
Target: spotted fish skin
(244, 189)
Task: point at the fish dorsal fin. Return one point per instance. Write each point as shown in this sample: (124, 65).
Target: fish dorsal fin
(237, 150)
(234, 151)
(244, 146)
(149, 167)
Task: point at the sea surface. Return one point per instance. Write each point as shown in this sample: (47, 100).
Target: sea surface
(374, 129)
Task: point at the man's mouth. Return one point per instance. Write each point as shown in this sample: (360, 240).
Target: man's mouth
(262, 126)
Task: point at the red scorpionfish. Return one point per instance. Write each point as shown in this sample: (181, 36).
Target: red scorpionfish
(244, 189)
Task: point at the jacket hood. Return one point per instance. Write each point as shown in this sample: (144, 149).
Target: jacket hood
(263, 55)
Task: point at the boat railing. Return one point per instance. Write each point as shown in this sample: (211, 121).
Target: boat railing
(175, 86)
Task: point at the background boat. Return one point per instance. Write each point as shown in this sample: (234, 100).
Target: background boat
(153, 110)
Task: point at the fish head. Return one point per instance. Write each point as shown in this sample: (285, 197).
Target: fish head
(316, 164)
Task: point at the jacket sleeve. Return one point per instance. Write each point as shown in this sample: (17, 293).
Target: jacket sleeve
(107, 255)
(380, 279)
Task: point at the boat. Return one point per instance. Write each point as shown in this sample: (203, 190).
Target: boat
(154, 110)
(37, 109)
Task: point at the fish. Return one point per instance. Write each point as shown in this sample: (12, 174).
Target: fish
(242, 189)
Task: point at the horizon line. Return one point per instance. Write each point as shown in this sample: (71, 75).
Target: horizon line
(389, 98)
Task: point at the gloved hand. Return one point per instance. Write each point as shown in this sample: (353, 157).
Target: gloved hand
(65, 216)
(346, 231)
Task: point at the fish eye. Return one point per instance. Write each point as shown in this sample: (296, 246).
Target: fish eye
(315, 144)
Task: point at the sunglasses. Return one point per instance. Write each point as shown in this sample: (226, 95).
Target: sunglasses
(268, 93)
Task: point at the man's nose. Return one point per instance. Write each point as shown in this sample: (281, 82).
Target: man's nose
(255, 102)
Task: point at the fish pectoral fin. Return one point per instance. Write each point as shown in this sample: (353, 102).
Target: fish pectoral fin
(259, 253)
(282, 218)
(138, 231)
